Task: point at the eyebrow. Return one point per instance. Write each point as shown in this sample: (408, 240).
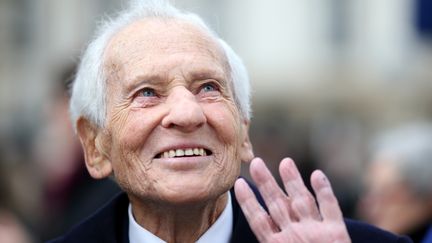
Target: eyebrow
(142, 79)
(210, 73)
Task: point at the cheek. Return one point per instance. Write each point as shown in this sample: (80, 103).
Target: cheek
(128, 166)
(224, 118)
(226, 123)
(133, 130)
(129, 143)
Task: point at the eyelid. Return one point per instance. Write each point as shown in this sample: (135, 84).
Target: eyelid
(140, 100)
(216, 84)
(147, 89)
(137, 91)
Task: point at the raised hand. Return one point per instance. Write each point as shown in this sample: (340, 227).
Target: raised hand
(293, 216)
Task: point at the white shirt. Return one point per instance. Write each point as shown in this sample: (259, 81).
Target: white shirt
(219, 232)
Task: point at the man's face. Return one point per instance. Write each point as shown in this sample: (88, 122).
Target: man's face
(173, 132)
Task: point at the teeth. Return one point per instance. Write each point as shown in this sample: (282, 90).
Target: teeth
(196, 151)
(172, 153)
(180, 152)
(183, 152)
(189, 152)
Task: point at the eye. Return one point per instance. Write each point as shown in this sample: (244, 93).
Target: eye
(147, 92)
(209, 87)
(146, 97)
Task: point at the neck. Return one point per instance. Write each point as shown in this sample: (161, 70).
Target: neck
(178, 223)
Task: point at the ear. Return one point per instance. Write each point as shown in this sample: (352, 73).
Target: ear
(246, 150)
(92, 140)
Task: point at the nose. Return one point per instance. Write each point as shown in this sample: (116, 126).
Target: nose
(185, 113)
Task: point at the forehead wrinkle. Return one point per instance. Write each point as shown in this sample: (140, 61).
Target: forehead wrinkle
(178, 36)
(154, 29)
(128, 45)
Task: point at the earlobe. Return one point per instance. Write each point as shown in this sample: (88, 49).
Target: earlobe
(96, 159)
(246, 150)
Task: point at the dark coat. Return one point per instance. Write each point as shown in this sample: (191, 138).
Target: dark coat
(110, 225)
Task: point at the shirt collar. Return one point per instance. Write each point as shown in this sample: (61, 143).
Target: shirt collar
(219, 231)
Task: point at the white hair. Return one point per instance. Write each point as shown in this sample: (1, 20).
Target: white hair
(88, 98)
(411, 149)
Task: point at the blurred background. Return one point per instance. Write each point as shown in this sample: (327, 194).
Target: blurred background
(328, 76)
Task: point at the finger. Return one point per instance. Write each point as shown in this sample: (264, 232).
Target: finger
(302, 201)
(258, 219)
(328, 204)
(275, 199)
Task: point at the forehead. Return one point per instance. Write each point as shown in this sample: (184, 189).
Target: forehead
(143, 40)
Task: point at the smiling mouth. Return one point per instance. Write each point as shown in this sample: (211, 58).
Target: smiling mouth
(189, 152)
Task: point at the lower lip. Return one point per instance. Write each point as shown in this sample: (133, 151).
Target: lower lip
(184, 163)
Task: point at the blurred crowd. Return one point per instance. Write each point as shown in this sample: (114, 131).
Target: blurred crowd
(46, 190)
(397, 193)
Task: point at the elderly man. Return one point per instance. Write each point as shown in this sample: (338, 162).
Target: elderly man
(161, 104)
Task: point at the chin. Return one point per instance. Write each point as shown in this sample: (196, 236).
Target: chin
(192, 194)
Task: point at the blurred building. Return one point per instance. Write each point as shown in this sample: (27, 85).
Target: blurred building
(326, 74)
